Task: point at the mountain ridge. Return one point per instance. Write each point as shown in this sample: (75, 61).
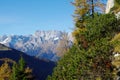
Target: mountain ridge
(41, 44)
(41, 68)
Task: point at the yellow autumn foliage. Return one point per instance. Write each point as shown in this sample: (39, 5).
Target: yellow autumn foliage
(76, 34)
(5, 71)
(116, 42)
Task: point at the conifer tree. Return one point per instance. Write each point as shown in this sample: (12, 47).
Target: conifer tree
(5, 71)
(15, 73)
(19, 72)
(83, 9)
(91, 57)
(21, 64)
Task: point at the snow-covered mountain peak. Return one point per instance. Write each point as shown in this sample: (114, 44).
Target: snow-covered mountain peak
(48, 34)
(5, 41)
(41, 43)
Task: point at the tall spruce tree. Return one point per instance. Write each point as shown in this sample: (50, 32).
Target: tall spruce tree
(21, 64)
(14, 72)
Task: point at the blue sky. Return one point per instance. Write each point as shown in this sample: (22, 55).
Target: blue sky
(27, 16)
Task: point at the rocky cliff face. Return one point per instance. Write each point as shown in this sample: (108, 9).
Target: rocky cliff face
(42, 44)
(110, 4)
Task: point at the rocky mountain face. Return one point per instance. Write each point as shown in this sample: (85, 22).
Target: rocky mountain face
(41, 44)
(110, 4)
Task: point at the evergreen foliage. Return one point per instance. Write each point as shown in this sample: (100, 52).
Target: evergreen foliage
(91, 56)
(14, 72)
(21, 64)
(118, 1)
(19, 72)
(94, 61)
(85, 9)
(116, 7)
